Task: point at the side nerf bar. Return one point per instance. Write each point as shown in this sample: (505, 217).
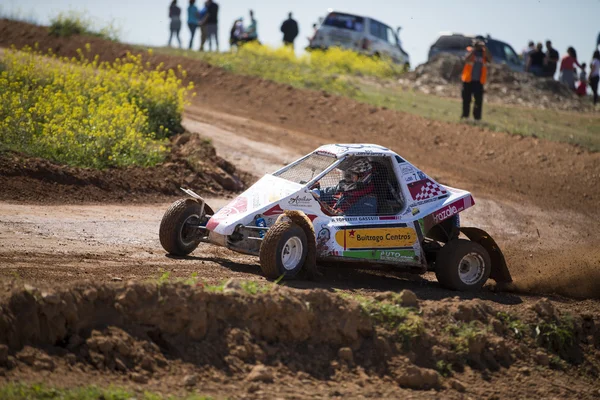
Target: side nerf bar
(500, 271)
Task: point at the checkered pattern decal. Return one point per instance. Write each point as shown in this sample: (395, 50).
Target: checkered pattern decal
(425, 189)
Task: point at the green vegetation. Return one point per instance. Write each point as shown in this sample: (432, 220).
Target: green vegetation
(516, 326)
(85, 113)
(556, 336)
(444, 368)
(20, 391)
(252, 287)
(77, 23)
(374, 82)
(403, 321)
(464, 335)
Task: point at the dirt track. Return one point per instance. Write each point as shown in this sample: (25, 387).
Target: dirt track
(119, 242)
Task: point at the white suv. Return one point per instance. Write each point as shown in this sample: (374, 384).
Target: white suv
(362, 34)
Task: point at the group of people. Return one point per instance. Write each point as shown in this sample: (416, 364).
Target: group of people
(537, 62)
(206, 19)
(544, 64)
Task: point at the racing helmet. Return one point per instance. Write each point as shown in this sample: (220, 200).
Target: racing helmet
(362, 169)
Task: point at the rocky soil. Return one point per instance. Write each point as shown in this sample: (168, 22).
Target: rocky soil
(442, 76)
(244, 340)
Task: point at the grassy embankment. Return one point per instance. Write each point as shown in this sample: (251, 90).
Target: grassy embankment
(348, 74)
(85, 113)
(19, 391)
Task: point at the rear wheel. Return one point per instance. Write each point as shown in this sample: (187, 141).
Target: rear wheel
(283, 250)
(462, 265)
(180, 230)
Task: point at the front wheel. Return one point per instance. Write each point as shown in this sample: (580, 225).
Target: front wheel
(181, 227)
(283, 250)
(462, 265)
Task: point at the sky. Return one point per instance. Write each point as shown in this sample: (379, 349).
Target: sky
(567, 23)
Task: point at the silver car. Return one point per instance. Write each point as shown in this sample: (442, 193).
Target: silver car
(361, 34)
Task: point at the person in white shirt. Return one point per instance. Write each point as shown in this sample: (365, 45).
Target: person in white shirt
(525, 53)
(594, 76)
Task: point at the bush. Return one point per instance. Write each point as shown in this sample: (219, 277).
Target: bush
(76, 23)
(320, 70)
(85, 113)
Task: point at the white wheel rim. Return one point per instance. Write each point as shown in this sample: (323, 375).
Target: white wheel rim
(291, 254)
(183, 227)
(471, 268)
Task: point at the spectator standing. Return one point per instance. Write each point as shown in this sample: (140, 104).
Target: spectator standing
(567, 68)
(474, 76)
(525, 53)
(252, 29)
(192, 20)
(595, 74)
(202, 25)
(289, 28)
(236, 32)
(535, 64)
(551, 61)
(212, 22)
(582, 85)
(175, 26)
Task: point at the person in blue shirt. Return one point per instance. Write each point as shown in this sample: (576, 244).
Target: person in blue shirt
(192, 20)
(252, 29)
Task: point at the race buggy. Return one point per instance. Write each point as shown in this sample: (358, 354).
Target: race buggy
(344, 202)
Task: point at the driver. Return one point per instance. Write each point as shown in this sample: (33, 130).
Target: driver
(355, 193)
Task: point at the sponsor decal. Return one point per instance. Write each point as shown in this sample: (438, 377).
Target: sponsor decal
(354, 219)
(415, 211)
(237, 206)
(394, 255)
(322, 239)
(451, 209)
(425, 189)
(410, 178)
(408, 170)
(397, 255)
(375, 238)
(300, 201)
(275, 210)
(421, 175)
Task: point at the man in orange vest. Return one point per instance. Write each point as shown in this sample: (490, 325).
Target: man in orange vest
(474, 76)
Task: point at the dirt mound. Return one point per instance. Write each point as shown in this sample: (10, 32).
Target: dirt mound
(442, 76)
(193, 163)
(159, 334)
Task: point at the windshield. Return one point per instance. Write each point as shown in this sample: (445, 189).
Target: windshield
(345, 21)
(304, 170)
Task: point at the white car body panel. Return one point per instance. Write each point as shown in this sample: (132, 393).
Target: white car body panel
(385, 238)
